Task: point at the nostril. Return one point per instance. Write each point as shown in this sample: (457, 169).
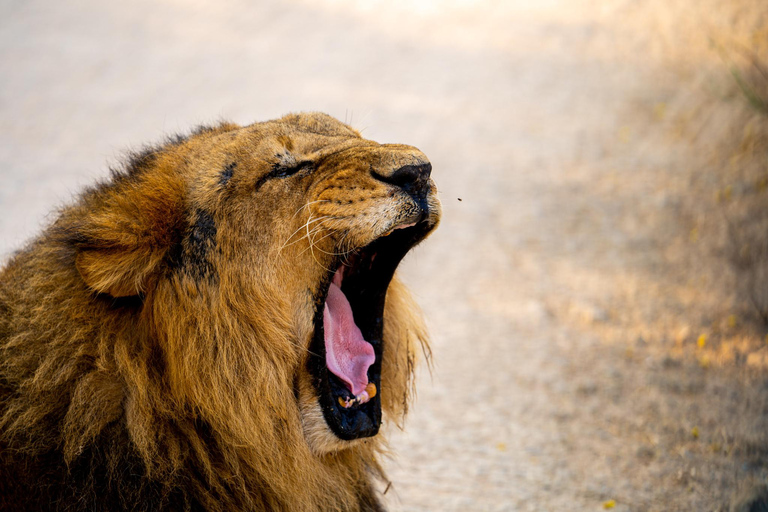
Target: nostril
(411, 178)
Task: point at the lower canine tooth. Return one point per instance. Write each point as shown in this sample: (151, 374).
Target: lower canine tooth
(370, 392)
(365, 396)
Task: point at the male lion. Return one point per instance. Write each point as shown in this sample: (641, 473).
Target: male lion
(208, 330)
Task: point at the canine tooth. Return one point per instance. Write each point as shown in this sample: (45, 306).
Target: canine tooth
(365, 396)
(370, 392)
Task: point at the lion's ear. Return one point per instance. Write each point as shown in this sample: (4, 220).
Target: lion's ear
(124, 231)
(119, 272)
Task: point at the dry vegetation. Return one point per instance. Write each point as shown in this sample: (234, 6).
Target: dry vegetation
(724, 119)
(742, 196)
(714, 225)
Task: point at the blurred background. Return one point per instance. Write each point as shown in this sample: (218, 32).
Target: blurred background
(598, 289)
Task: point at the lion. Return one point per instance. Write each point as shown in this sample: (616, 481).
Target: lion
(217, 326)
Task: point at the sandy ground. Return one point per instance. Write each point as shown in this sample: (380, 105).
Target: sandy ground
(554, 287)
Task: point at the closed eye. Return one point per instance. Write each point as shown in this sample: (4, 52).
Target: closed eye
(281, 170)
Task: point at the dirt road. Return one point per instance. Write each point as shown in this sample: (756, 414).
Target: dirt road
(551, 287)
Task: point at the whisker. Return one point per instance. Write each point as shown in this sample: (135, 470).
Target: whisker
(309, 204)
(312, 238)
(303, 226)
(311, 248)
(330, 233)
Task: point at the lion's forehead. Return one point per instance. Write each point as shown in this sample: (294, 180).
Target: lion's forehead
(304, 136)
(371, 155)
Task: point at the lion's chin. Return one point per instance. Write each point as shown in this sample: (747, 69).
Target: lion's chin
(320, 438)
(338, 412)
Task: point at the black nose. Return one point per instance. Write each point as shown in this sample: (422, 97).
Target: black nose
(413, 179)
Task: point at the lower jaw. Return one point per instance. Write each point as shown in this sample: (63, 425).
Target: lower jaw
(318, 434)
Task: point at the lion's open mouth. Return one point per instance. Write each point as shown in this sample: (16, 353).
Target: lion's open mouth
(346, 350)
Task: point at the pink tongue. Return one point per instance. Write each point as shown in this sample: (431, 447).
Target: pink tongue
(347, 354)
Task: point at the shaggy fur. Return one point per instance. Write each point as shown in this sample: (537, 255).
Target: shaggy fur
(153, 340)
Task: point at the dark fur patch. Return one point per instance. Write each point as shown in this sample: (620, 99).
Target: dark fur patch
(227, 173)
(198, 244)
(104, 477)
(203, 128)
(138, 161)
(135, 163)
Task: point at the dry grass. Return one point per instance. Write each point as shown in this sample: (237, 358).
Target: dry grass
(725, 122)
(696, 340)
(744, 198)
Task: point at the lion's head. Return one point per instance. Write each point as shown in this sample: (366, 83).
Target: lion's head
(237, 300)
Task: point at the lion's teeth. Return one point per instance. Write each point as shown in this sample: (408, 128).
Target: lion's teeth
(365, 396)
(371, 390)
